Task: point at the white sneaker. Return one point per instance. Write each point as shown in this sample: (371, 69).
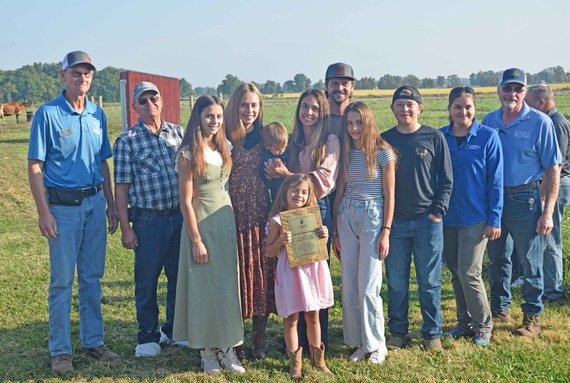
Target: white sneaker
(147, 350)
(229, 360)
(209, 361)
(376, 358)
(518, 282)
(164, 339)
(357, 355)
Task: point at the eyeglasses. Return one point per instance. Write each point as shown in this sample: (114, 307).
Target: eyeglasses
(76, 74)
(511, 89)
(153, 99)
(462, 89)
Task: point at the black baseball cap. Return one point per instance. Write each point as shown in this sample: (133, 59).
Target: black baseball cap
(75, 58)
(408, 93)
(339, 70)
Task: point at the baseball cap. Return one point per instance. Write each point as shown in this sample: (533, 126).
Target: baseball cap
(143, 86)
(339, 70)
(75, 58)
(408, 93)
(513, 75)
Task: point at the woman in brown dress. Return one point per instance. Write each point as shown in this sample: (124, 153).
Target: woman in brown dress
(248, 192)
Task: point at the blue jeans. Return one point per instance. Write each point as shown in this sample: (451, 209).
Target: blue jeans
(158, 247)
(325, 207)
(424, 238)
(359, 225)
(553, 268)
(520, 213)
(81, 240)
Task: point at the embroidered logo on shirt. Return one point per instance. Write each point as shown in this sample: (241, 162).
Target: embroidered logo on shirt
(472, 147)
(65, 132)
(422, 152)
(522, 134)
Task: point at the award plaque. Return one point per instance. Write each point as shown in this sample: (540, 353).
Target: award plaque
(305, 246)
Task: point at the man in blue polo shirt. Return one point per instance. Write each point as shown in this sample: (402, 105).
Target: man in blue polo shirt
(71, 185)
(145, 179)
(530, 153)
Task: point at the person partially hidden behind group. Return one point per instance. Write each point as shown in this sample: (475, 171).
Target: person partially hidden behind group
(208, 309)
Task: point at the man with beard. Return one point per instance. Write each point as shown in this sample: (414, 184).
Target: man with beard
(531, 153)
(339, 84)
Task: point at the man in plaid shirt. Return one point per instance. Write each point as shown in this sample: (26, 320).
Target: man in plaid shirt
(146, 180)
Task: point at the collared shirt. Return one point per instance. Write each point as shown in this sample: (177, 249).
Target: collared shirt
(145, 161)
(70, 144)
(562, 128)
(477, 164)
(529, 144)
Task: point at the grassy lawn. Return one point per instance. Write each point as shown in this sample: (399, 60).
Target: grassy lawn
(24, 278)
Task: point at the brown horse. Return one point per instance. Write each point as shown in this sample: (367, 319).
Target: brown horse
(13, 108)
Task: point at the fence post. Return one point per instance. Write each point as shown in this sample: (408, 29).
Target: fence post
(191, 102)
(101, 101)
(221, 97)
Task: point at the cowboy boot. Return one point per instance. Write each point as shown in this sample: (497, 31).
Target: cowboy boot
(318, 359)
(258, 344)
(295, 363)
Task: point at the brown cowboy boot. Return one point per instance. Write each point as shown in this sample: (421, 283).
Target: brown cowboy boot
(258, 344)
(318, 358)
(530, 327)
(295, 363)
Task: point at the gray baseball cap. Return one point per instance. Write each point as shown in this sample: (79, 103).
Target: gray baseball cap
(75, 58)
(339, 70)
(143, 86)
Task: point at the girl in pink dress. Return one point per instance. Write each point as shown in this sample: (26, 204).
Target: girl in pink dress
(306, 288)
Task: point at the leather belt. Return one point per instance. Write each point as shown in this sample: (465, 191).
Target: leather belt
(516, 189)
(155, 212)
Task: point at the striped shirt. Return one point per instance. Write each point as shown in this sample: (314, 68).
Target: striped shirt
(358, 184)
(145, 161)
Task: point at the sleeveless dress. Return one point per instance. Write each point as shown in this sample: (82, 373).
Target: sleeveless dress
(208, 307)
(302, 288)
(250, 200)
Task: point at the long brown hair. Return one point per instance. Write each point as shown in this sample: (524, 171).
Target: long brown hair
(192, 140)
(371, 140)
(235, 131)
(281, 204)
(319, 137)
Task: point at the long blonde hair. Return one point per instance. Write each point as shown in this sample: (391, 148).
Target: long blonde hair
(281, 204)
(319, 135)
(192, 140)
(235, 131)
(371, 140)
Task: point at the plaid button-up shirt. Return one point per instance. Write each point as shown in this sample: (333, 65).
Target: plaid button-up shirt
(145, 161)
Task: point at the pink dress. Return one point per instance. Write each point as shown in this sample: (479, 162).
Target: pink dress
(301, 288)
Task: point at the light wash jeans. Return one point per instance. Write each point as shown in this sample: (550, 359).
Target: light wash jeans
(553, 266)
(425, 238)
(463, 250)
(359, 224)
(81, 241)
(520, 214)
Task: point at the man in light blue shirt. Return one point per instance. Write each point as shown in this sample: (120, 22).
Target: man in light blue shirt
(530, 153)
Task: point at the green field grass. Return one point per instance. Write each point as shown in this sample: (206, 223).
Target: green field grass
(24, 276)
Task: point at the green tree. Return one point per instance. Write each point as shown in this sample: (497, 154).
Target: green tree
(271, 87)
(428, 83)
(389, 81)
(440, 82)
(185, 88)
(302, 82)
(365, 83)
(412, 81)
(106, 83)
(319, 85)
(228, 84)
(453, 80)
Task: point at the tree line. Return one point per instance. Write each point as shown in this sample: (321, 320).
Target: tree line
(40, 82)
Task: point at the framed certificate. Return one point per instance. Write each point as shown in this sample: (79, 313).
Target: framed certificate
(305, 246)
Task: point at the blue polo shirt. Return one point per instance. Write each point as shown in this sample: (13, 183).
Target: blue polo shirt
(477, 163)
(71, 145)
(529, 144)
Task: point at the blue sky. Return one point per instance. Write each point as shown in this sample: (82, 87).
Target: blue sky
(257, 40)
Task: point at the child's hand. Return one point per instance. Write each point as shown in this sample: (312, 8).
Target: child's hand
(285, 237)
(323, 232)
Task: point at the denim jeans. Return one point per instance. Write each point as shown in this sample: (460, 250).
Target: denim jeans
(520, 213)
(325, 207)
(81, 241)
(424, 238)
(158, 247)
(463, 250)
(359, 225)
(553, 267)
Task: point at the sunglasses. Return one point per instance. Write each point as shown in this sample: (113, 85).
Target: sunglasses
(511, 89)
(77, 74)
(153, 99)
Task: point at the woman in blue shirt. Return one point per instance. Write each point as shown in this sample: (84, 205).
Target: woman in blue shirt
(474, 214)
